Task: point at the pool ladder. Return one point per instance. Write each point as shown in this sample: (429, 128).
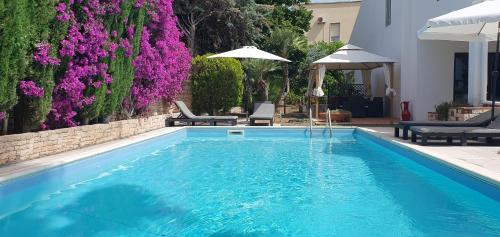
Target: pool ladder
(310, 122)
(329, 120)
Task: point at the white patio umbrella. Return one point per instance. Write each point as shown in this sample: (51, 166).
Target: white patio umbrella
(479, 22)
(249, 52)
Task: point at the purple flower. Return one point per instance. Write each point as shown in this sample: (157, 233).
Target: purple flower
(62, 15)
(163, 61)
(42, 56)
(30, 89)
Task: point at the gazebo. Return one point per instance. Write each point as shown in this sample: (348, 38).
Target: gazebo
(349, 58)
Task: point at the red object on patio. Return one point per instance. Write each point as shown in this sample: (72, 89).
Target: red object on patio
(405, 111)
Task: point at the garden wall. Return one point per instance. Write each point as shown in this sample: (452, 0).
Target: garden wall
(27, 146)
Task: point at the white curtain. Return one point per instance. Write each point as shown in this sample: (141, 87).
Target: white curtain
(318, 91)
(388, 67)
(310, 84)
(367, 77)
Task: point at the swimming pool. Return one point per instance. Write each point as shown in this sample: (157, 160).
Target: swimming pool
(266, 182)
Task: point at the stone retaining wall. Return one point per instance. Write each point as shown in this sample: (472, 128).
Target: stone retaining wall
(27, 146)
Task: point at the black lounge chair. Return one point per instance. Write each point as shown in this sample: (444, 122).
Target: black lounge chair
(263, 111)
(189, 118)
(480, 120)
(427, 132)
(462, 133)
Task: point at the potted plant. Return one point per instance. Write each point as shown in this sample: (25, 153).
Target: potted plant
(442, 110)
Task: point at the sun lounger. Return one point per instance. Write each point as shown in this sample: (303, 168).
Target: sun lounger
(462, 133)
(186, 116)
(427, 132)
(480, 120)
(263, 111)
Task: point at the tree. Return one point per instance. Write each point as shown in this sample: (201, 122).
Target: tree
(14, 41)
(288, 14)
(217, 84)
(257, 72)
(121, 68)
(282, 41)
(192, 13)
(35, 90)
(313, 52)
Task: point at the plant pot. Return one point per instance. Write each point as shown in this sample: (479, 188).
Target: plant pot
(338, 116)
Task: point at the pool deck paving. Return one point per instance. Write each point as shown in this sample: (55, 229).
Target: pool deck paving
(480, 161)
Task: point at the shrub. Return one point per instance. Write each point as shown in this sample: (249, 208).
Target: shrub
(442, 110)
(217, 84)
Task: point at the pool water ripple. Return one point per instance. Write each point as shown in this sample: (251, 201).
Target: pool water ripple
(260, 185)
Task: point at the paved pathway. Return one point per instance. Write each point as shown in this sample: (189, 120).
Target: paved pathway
(483, 160)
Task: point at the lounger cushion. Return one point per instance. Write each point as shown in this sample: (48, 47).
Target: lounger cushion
(479, 120)
(217, 117)
(439, 123)
(484, 131)
(184, 109)
(188, 114)
(263, 111)
(438, 130)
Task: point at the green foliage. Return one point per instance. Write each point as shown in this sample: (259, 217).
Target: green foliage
(288, 14)
(14, 41)
(220, 25)
(314, 52)
(121, 69)
(31, 112)
(258, 72)
(442, 110)
(217, 84)
(284, 41)
(296, 17)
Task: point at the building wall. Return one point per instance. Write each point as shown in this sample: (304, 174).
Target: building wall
(424, 72)
(343, 13)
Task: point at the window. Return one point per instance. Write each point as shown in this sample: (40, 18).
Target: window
(334, 32)
(491, 63)
(388, 12)
(461, 78)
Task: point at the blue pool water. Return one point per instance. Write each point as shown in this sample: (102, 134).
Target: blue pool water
(202, 182)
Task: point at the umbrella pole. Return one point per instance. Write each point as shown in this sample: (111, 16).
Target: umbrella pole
(495, 75)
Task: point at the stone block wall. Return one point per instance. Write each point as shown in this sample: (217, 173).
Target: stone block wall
(27, 146)
(187, 94)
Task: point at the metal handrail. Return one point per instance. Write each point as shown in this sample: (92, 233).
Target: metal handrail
(329, 119)
(310, 122)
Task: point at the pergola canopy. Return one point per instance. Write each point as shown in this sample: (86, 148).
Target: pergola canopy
(351, 57)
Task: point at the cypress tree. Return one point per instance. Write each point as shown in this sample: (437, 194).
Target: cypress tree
(30, 112)
(14, 40)
(121, 68)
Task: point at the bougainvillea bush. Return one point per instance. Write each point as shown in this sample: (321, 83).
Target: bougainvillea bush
(85, 60)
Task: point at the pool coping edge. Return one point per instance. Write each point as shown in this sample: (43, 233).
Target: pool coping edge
(29, 167)
(468, 168)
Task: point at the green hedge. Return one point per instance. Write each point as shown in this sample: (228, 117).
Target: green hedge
(217, 84)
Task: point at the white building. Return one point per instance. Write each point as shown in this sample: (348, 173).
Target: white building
(427, 72)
